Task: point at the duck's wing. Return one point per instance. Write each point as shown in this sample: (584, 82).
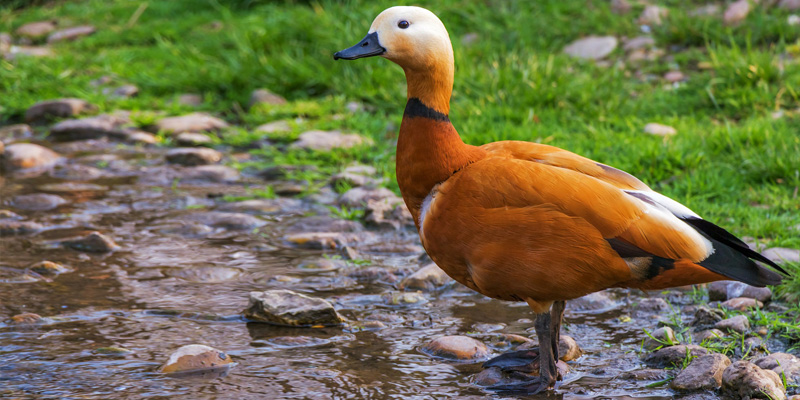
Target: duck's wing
(662, 239)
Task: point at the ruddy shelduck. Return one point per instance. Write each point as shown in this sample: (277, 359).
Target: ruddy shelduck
(529, 222)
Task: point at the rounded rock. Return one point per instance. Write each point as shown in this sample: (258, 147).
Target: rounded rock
(659, 129)
(741, 304)
(192, 156)
(568, 348)
(37, 202)
(673, 355)
(427, 278)
(19, 156)
(456, 348)
(743, 379)
(192, 139)
(703, 373)
(739, 324)
(285, 307)
(48, 268)
(661, 337)
(59, 108)
(94, 242)
(592, 47)
(195, 358)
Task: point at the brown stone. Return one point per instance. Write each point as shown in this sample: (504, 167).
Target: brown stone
(195, 357)
(60, 108)
(456, 348)
(702, 373)
(745, 380)
(19, 156)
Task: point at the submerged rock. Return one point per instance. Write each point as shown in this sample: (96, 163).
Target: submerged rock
(403, 298)
(224, 220)
(13, 227)
(703, 373)
(49, 268)
(456, 348)
(285, 307)
(94, 242)
(673, 355)
(26, 319)
(316, 240)
(745, 380)
(195, 357)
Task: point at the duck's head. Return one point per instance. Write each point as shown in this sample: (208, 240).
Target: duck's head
(412, 37)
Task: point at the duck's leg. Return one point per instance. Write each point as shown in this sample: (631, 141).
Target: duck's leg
(548, 327)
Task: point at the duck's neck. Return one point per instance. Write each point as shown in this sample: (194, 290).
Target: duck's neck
(429, 149)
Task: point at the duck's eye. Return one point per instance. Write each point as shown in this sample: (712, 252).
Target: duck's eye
(403, 24)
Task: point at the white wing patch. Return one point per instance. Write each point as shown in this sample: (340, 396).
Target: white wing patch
(426, 207)
(669, 211)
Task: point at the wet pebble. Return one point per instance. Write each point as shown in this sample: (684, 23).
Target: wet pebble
(26, 319)
(593, 302)
(210, 173)
(456, 348)
(374, 275)
(673, 355)
(13, 227)
(264, 96)
(193, 156)
(741, 304)
(661, 337)
(194, 122)
(568, 348)
(327, 140)
(403, 298)
(360, 196)
(285, 307)
(59, 108)
(647, 374)
(702, 373)
(113, 350)
(707, 335)
(88, 128)
(745, 380)
(20, 156)
(705, 316)
(387, 214)
(320, 265)
(428, 278)
(224, 220)
(592, 47)
(76, 172)
(297, 341)
(37, 202)
(652, 304)
(71, 33)
(263, 206)
(195, 357)
(77, 189)
(316, 240)
(206, 273)
(192, 139)
(739, 324)
(94, 242)
(49, 268)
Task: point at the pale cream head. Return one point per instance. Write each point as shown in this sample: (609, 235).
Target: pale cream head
(423, 44)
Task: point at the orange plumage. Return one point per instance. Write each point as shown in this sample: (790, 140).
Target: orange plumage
(529, 222)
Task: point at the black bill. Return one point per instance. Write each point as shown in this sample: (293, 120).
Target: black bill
(367, 47)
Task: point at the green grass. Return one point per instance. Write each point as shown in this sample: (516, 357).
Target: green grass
(731, 161)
